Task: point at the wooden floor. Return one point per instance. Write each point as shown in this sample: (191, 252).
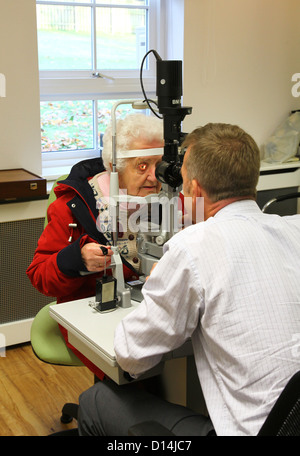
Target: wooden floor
(32, 393)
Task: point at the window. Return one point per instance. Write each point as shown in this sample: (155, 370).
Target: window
(90, 52)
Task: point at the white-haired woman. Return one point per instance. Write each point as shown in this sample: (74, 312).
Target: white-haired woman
(70, 244)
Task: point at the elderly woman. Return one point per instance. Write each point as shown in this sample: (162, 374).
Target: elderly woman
(139, 148)
(68, 258)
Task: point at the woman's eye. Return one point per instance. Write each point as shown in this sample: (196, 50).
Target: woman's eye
(142, 166)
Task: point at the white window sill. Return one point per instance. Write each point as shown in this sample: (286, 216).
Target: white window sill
(55, 165)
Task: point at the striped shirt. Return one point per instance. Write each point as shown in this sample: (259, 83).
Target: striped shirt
(232, 285)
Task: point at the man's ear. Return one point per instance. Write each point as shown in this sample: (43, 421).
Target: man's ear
(197, 202)
(196, 189)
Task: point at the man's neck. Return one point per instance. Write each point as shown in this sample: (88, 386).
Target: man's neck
(210, 209)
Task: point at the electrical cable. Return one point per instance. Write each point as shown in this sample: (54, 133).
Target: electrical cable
(146, 99)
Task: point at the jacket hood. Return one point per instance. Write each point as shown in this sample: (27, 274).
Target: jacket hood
(79, 175)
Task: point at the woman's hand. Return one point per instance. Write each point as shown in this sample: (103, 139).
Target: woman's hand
(94, 258)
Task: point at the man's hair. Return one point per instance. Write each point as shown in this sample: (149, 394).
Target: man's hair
(130, 131)
(224, 159)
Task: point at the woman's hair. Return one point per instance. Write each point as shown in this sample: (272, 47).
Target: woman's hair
(131, 130)
(224, 159)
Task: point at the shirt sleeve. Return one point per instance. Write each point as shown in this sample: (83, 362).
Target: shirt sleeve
(166, 317)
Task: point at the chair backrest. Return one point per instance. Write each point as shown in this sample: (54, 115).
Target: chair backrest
(284, 418)
(280, 198)
(52, 195)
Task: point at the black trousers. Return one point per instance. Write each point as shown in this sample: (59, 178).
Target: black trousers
(108, 409)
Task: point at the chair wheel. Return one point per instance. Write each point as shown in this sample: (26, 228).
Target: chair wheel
(65, 419)
(69, 411)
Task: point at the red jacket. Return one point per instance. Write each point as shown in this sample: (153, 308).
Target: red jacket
(57, 263)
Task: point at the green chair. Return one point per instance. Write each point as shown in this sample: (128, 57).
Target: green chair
(49, 346)
(48, 343)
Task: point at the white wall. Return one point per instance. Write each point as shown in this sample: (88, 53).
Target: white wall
(239, 57)
(20, 141)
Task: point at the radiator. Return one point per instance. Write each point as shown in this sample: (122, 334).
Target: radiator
(20, 301)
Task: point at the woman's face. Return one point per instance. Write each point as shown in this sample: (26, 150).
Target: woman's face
(138, 177)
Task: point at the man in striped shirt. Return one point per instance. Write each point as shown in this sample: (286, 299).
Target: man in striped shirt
(230, 283)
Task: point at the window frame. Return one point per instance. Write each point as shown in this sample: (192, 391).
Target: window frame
(82, 85)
